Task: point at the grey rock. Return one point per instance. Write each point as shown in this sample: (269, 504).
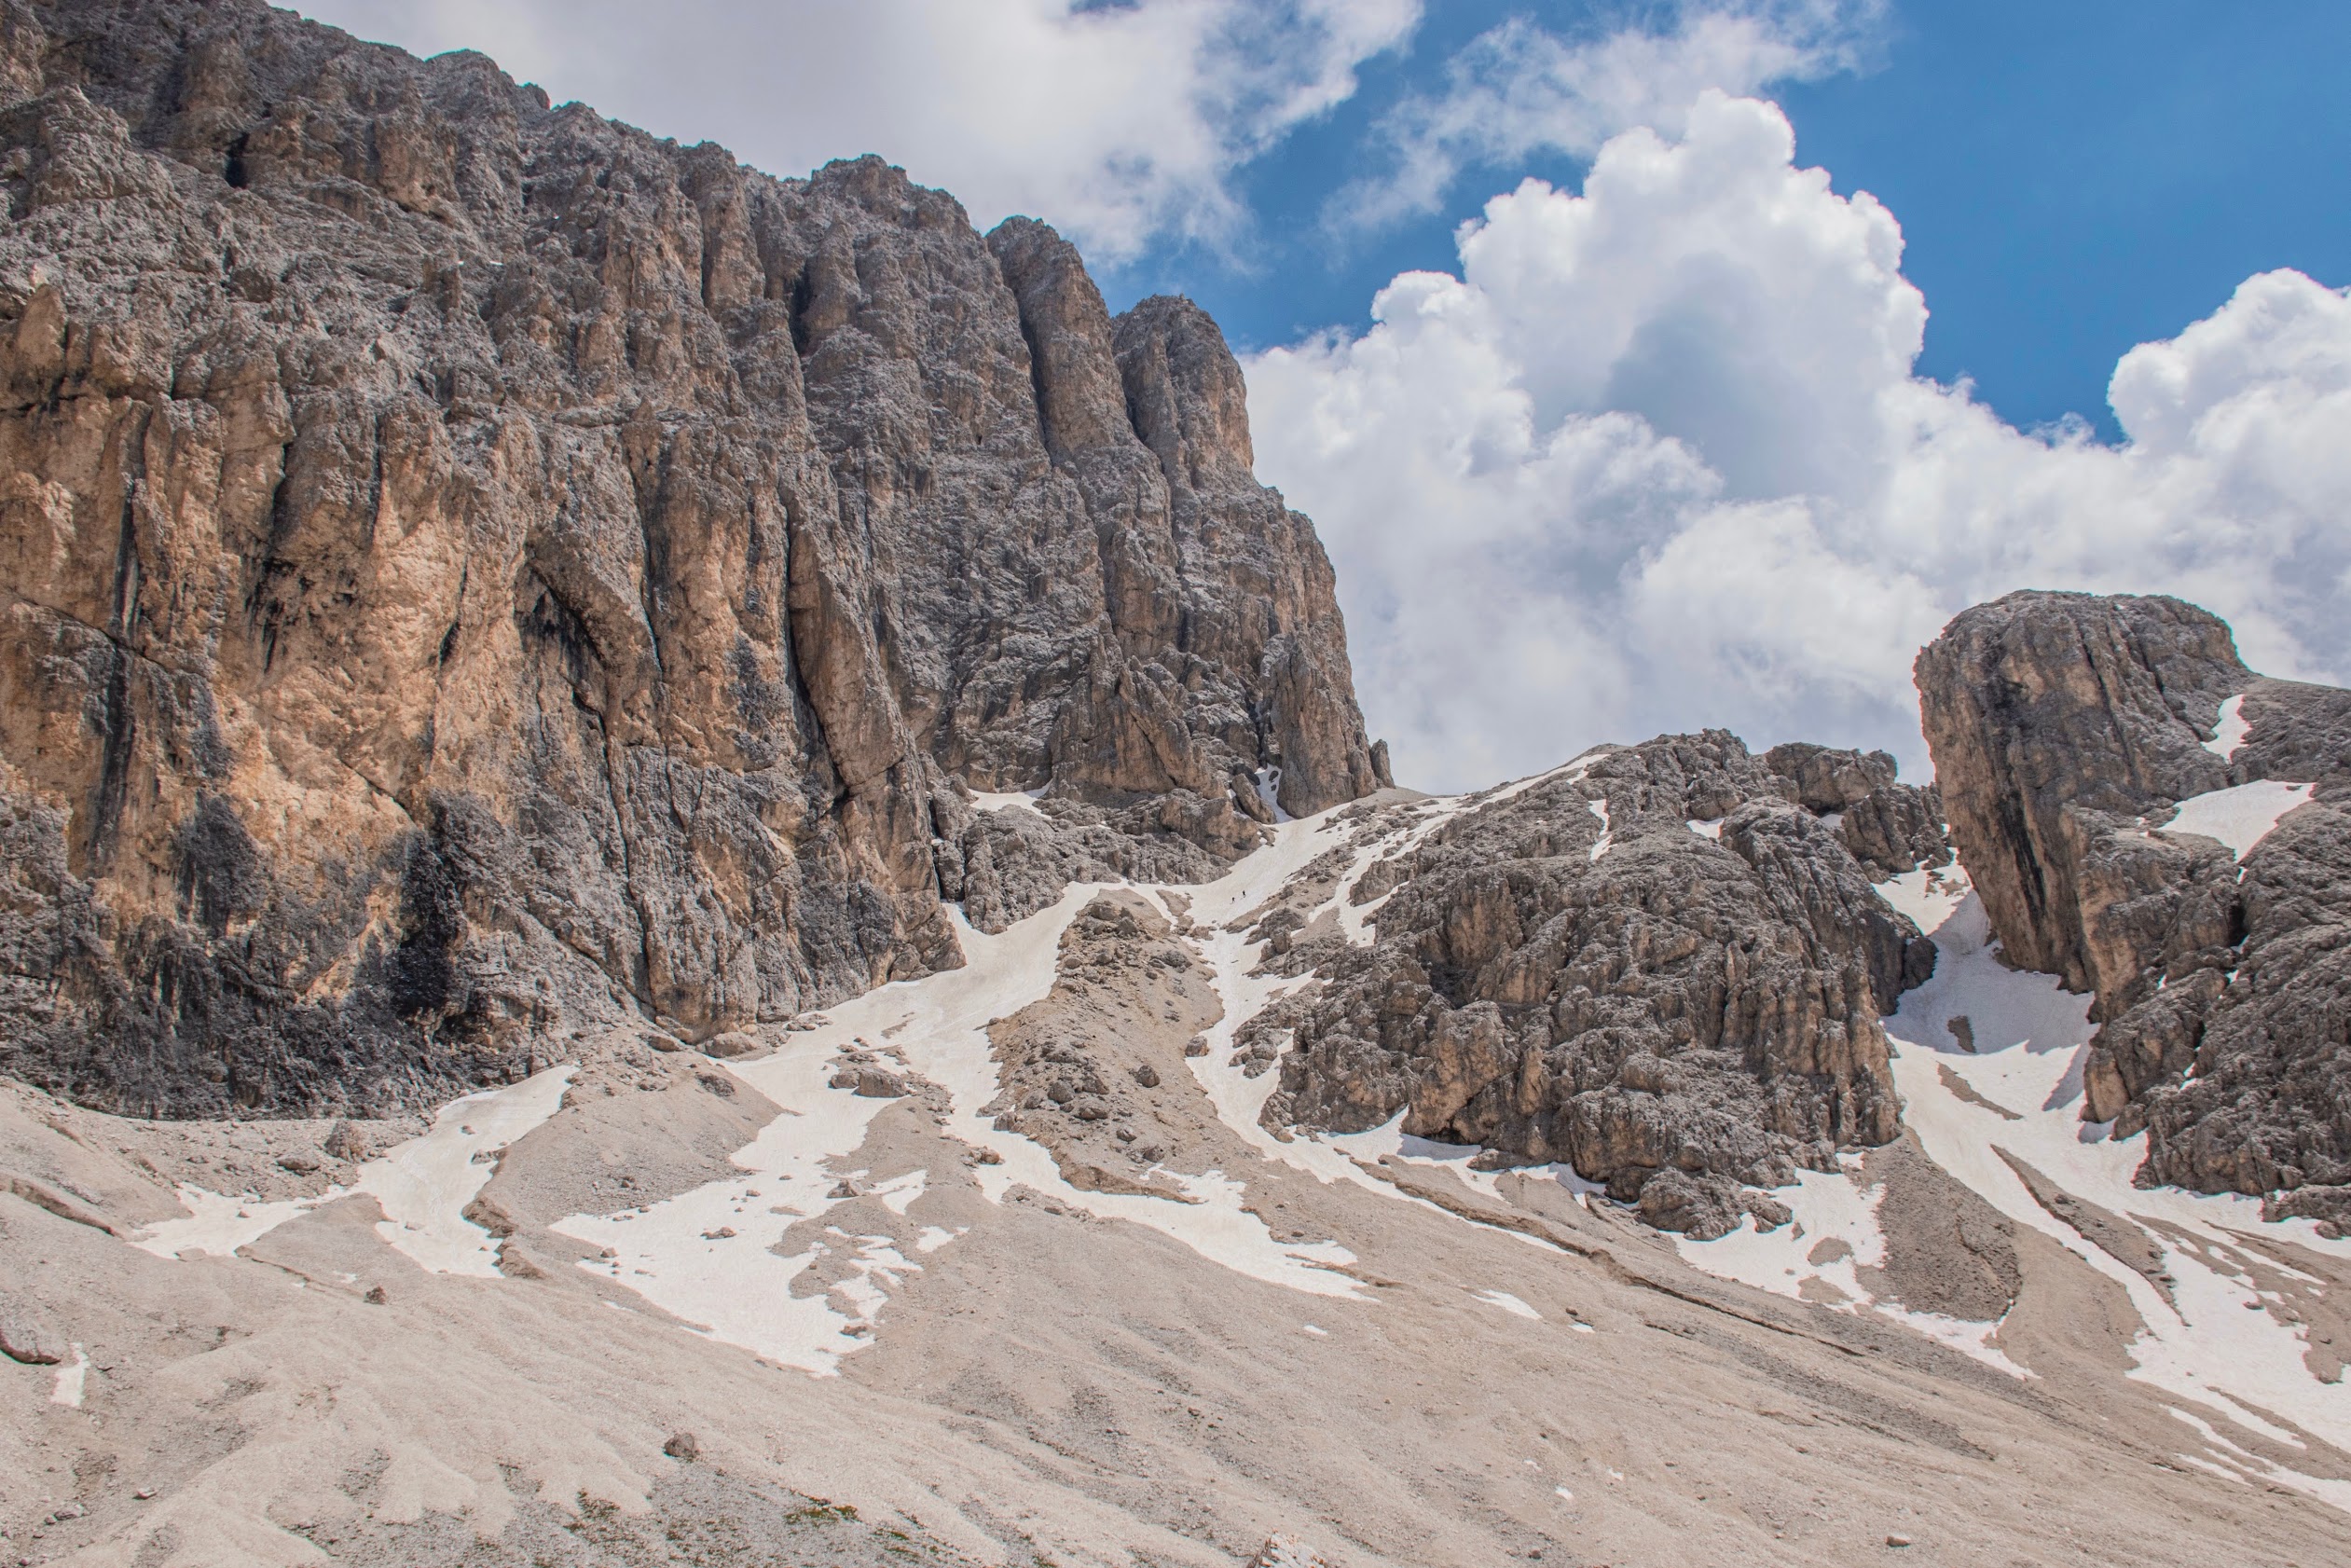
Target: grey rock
(1702, 1208)
(1697, 1012)
(28, 1334)
(1827, 779)
(2264, 1109)
(479, 571)
(875, 1083)
(2065, 728)
(2042, 708)
(730, 1044)
(1896, 828)
(1016, 861)
(2331, 1207)
(347, 1142)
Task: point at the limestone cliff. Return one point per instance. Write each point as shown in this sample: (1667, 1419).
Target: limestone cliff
(470, 568)
(2066, 728)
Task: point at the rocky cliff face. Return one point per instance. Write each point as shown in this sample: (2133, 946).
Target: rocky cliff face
(470, 568)
(2065, 729)
(1662, 965)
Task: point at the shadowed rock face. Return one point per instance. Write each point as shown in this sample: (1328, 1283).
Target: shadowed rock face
(471, 568)
(1672, 1011)
(2041, 708)
(2065, 727)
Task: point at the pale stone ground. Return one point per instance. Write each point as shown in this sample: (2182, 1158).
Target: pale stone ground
(1418, 1365)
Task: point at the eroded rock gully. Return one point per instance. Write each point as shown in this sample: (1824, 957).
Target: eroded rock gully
(1663, 965)
(471, 570)
(2065, 729)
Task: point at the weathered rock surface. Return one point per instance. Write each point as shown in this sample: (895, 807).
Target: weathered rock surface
(1657, 964)
(2065, 728)
(1014, 860)
(472, 570)
(2041, 709)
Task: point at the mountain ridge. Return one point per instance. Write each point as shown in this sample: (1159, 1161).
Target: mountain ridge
(483, 571)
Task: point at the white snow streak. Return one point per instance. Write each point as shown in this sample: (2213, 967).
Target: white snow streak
(2229, 733)
(2202, 1347)
(1508, 1303)
(1008, 800)
(423, 1186)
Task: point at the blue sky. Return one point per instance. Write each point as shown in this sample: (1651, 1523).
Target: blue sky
(1696, 432)
(2071, 178)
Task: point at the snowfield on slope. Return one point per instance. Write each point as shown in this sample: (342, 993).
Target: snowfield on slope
(423, 1186)
(2215, 1341)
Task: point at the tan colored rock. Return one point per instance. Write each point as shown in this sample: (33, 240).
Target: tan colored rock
(2065, 728)
(474, 575)
(2040, 707)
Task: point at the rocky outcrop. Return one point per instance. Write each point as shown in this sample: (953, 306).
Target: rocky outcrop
(1660, 964)
(1890, 827)
(2066, 728)
(472, 569)
(2045, 712)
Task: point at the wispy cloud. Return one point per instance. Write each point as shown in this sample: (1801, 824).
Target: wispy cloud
(1519, 90)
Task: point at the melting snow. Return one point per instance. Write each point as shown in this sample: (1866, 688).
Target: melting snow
(71, 1379)
(2201, 1345)
(425, 1183)
(2229, 733)
(2020, 1090)
(1269, 786)
(2241, 816)
(423, 1186)
(1507, 1302)
(1008, 800)
(739, 1288)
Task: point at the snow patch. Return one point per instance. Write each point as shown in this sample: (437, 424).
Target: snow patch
(1009, 800)
(71, 1379)
(2023, 1084)
(425, 1183)
(2240, 816)
(1710, 827)
(738, 1288)
(422, 1185)
(1269, 786)
(1508, 1303)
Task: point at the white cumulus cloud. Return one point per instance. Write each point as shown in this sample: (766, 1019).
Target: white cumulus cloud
(1656, 458)
(1118, 122)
